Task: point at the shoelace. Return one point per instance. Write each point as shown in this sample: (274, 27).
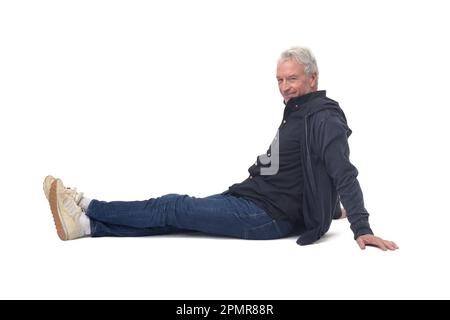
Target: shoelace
(77, 196)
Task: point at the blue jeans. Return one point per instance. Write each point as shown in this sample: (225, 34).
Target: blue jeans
(218, 214)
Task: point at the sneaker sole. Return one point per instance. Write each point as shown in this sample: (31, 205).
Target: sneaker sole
(53, 199)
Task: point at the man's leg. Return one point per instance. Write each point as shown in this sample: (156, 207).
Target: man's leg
(218, 214)
(104, 229)
(69, 212)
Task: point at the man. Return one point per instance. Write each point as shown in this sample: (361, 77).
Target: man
(296, 186)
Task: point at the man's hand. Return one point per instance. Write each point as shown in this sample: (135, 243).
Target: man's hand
(372, 240)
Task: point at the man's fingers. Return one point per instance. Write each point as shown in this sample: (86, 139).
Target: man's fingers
(376, 242)
(380, 244)
(361, 244)
(392, 245)
(389, 246)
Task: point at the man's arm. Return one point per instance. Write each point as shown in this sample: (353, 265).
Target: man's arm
(369, 239)
(332, 140)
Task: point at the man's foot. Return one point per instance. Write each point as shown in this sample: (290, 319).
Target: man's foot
(65, 209)
(48, 181)
(47, 185)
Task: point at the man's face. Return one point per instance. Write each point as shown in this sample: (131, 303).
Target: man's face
(292, 80)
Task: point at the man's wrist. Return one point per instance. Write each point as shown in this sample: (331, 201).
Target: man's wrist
(362, 232)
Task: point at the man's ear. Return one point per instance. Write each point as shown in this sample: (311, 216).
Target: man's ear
(313, 81)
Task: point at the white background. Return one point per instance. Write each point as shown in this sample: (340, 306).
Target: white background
(129, 100)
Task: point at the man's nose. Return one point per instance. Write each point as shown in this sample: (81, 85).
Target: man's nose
(284, 86)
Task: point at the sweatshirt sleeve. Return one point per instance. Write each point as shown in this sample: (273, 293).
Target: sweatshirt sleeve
(332, 134)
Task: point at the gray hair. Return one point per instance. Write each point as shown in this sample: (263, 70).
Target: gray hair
(303, 56)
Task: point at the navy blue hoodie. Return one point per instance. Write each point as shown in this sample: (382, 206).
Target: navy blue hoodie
(329, 175)
(315, 171)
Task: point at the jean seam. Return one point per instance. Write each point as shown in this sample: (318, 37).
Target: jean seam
(261, 226)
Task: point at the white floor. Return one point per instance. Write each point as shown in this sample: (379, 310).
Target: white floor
(35, 264)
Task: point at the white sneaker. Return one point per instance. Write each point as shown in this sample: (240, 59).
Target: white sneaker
(47, 185)
(66, 211)
(48, 181)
